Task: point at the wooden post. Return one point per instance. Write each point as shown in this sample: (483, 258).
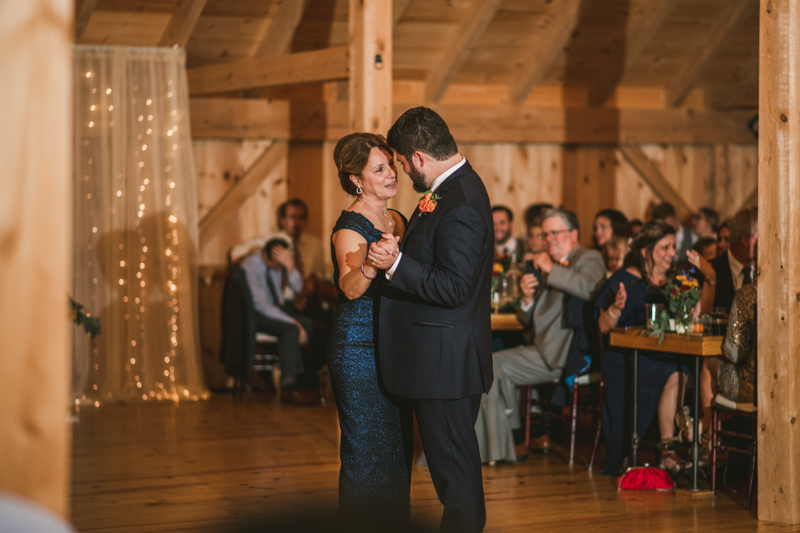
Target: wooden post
(35, 248)
(779, 250)
(370, 65)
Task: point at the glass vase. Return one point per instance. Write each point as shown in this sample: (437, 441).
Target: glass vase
(683, 319)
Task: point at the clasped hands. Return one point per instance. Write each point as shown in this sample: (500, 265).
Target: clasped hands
(383, 254)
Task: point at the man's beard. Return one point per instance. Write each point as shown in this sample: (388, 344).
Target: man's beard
(417, 180)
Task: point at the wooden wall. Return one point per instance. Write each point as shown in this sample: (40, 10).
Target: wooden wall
(582, 178)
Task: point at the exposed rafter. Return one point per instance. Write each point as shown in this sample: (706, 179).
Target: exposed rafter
(466, 37)
(182, 24)
(320, 65)
(83, 12)
(240, 191)
(277, 40)
(551, 36)
(638, 33)
(736, 11)
(398, 8)
(651, 174)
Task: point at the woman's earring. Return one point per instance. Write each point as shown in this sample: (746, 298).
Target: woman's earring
(359, 190)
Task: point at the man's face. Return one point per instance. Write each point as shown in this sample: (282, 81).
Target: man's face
(294, 223)
(722, 240)
(417, 178)
(700, 225)
(502, 227)
(560, 240)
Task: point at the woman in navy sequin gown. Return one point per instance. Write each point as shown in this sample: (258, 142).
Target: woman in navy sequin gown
(374, 480)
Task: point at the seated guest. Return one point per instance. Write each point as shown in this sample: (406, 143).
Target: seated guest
(609, 223)
(534, 212)
(613, 252)
(566, 269)
(705, 222)
(723, 238)
(621, 302)
(273, 278)
(734, 268)
(684, 237)
(535, 243)
(636, 225)
(506, 245)
(707, 247)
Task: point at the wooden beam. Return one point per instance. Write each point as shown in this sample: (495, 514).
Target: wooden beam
(464, 39)
(320, 65)
(278, 38)
(83, 12)
(778, 250)
(239, 119)
(182, 24)
(399, 7)
(36, 151)
(655, 179)
(370, 80)
(240, 191)
(736, 11)
(637, 35)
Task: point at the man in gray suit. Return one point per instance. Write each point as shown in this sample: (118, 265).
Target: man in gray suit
(566, 269)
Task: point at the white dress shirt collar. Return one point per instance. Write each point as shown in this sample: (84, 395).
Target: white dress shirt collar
(447, 173)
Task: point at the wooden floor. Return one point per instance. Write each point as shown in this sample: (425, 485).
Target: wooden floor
(198, 466)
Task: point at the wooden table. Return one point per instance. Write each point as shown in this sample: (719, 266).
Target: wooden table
(505, 322)
(693, 344)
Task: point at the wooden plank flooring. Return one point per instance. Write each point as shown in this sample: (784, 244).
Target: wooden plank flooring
(198, 466)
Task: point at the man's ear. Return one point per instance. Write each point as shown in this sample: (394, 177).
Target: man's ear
(420, 156)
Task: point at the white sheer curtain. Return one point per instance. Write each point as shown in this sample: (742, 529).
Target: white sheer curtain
(135, 227)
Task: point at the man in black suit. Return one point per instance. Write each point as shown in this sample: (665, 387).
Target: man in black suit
(434, 325)
(734, 268)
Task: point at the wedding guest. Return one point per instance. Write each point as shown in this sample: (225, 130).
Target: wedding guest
(684, 237)
(567, 269)
(707, 247)
(648, 267)
(723, 238)
(609, 223)
(535, 243)
(636, 225)
(613, 253)
(534, 212)
(705, 222)
(504, 241)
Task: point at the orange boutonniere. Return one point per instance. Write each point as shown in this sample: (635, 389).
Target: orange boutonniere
(564, 263)
(428, 202)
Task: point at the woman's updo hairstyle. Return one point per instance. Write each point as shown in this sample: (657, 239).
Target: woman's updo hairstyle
(646, 239)
(352, 153)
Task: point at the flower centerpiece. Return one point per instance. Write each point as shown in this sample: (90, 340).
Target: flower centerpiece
(682, 295)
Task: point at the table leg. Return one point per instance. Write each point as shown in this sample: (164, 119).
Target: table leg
(696, 436)
(635, 434)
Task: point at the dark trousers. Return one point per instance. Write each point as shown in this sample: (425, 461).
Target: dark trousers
(317, 343)
(288, 344)
(447, 430)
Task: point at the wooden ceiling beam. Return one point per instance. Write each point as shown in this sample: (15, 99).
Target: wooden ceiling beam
(240, 119)
(637, 36)
(277, 40)
(465, 38)
(274, 156)
(83, 12)
(651, 174)
(182, 24)
(550, 40)
(328, 64)
(398, 9)
(736, 11)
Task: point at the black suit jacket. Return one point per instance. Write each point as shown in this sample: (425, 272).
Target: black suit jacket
(238, 325)
(435, 334)
(723, 295)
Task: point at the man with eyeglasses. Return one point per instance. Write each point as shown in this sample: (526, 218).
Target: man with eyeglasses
(567, 269)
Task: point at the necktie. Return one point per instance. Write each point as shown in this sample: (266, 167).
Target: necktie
(747, 277)
(272, 291)
(298, 261)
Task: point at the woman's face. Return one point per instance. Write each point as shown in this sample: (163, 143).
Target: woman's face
(379, 177)
(615, 258)
(602, 230)
(536, 242)
(663, 252)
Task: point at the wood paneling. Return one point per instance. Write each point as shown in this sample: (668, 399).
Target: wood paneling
(35, 249)
(182, 24)
(778, 252)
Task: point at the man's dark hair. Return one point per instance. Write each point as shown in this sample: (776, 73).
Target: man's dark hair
(294, 202)
(504, 209)
(422, 130)
(663, 211)
(711, 216)
(570, 219)
(534, 213)
(274, 243)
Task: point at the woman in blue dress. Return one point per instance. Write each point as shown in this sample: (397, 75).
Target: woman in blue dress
(374, 480)
(649, 265)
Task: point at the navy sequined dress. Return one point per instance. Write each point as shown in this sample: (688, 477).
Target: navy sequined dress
(374, 480)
